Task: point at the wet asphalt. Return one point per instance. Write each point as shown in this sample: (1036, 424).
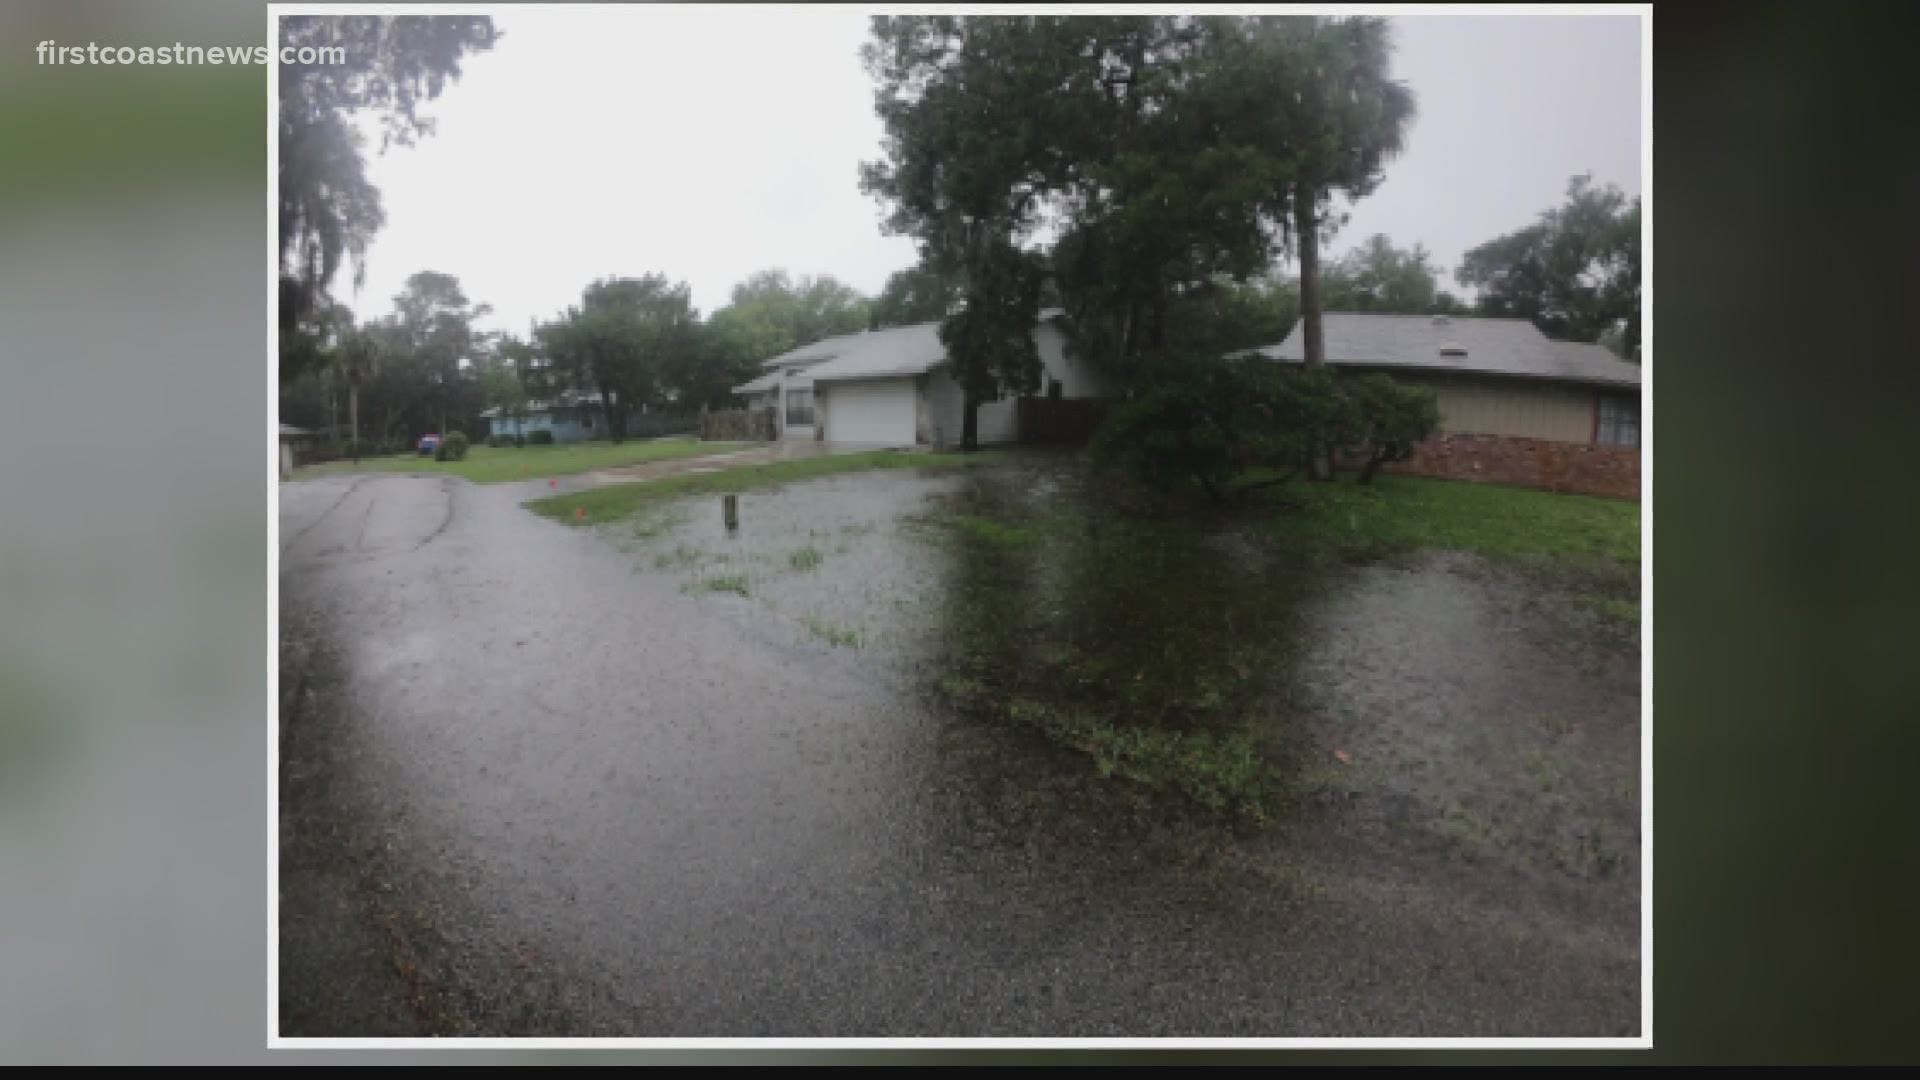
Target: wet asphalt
(529, 789)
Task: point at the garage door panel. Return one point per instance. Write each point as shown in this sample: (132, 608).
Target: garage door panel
(877, 412)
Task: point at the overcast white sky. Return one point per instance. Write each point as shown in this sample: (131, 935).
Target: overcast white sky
(707, 145)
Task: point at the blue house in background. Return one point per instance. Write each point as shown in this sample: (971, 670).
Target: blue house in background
(573, 418)
(576, 417)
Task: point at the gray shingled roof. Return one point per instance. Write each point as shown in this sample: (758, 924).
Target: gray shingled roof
(765, 382)
(813, 352)
(1492, 346)
(901, 350)
(897, 350)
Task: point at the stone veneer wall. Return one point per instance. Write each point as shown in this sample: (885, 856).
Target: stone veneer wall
(1580, 468)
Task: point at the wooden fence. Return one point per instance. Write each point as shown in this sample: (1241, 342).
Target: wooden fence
(1059, 421)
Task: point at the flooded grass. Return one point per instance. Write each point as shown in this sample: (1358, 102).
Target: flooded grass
(616, 502)
(1319, 652)
(838, 636)
(1149, 643)
(727, 583)
(502, 464)
(1403, 512)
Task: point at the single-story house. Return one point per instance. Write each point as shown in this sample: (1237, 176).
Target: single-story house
(571, 417)
(1494, 377)
(893, 387)
(294, 440)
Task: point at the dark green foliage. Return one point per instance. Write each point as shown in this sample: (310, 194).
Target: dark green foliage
(1376, 276)
(767, 314)
(1172, 155)
(1391, 419)
(1575, 273)
(989, 341)
(1211, 420)
(623, 341)
(1205, 419)
(917, 294)
(368, 448)
(432, 330)
(1225, 316)
(453, 447)
(543, 437)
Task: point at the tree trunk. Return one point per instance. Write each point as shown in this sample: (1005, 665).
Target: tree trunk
(970, 423)
(1372, 466)
(613, 428)
(353, 418)
(1306, 231)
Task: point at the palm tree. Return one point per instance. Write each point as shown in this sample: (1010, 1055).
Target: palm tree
(356, 357)
(1347, 118)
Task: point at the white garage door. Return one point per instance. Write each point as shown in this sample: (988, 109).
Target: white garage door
(879, 411)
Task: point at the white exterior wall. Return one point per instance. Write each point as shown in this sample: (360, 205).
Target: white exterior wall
(998, 420)
(1077, 377)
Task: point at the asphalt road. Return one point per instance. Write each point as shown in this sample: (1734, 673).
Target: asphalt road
(526, 789)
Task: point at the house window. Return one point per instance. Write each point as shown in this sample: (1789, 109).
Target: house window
(1618, 423)
(799, 408)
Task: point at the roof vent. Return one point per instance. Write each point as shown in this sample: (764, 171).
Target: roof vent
(1453, 349)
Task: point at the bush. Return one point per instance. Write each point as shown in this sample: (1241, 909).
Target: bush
(1389, 420)
(1211, 419)
(540, 438)
(452, 448)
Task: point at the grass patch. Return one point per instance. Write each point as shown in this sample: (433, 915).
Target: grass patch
(838, 636)
(495, 465)
(1222, 768)
(728, 583)
(682, 556)
(990, 531)
(807, 558)
(1409, 511)
(1624, 612)
(616, 501)
(653, 526)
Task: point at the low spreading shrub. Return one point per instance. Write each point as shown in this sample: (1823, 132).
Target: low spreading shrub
(1211, 419)
(451, 448)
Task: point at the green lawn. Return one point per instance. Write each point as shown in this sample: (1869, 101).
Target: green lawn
(491, 465)
(1408, 511)
(616, 501)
